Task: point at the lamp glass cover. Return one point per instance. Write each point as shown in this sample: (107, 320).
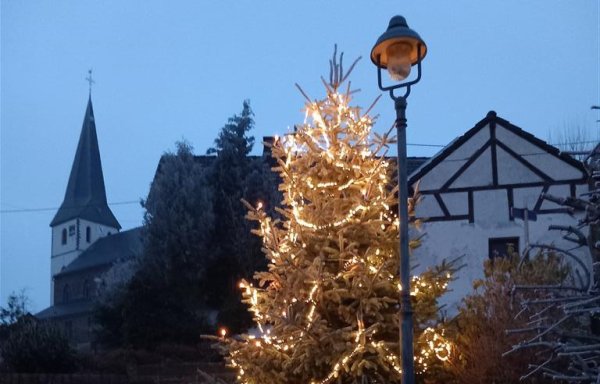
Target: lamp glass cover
(399, 63)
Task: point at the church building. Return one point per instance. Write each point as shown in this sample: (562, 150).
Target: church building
(86, 241)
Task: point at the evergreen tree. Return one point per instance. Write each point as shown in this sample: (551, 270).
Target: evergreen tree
(235, 252)
(165, 301)
(327, 308)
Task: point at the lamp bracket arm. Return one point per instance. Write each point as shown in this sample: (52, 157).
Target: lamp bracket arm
(406, 93)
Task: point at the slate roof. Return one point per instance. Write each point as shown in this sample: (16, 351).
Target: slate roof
(107, 250)
(68, 309)
(413, 162)
(85, 197)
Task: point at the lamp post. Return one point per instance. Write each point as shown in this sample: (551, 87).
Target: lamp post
(397, 50)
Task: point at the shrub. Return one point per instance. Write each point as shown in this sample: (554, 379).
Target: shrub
(484, 316)
(36, 347)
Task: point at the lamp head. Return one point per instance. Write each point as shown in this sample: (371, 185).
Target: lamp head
(397, 49)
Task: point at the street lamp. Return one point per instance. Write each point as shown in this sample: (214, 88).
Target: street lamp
(398, 49)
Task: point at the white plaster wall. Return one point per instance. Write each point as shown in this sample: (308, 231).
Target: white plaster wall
(469, 147)
(428, 207)
(526, 197)
(451, 239)
(511, 171)
(437, 176)
(97, 231)
(558, 191)
(456, 202)
(479, 173)
(580, 189)
(552, 166)
(71, 245)
(491, 208)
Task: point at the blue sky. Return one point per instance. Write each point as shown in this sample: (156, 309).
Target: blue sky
(171, 70)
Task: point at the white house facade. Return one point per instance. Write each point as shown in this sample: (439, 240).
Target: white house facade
(470, 190)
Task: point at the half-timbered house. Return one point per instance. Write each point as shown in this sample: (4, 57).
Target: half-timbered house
(470, 191)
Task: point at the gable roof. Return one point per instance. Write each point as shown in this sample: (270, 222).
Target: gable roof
(85, 196)
(107, 250)
(496, 153)
(413, 162)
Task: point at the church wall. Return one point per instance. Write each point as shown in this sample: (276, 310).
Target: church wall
(63, 254)
(76, 243)
(77, 328)
(76, 239)
(78, 284)
(96, 231)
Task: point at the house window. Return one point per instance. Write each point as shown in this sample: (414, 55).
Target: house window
(66, 293)
(64, 236)
(503, 246)
(71, 230)
(88, 234)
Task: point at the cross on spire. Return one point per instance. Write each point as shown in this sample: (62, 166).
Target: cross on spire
(90, 80)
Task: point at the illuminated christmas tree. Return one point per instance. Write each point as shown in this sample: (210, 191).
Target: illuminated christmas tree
(327, 308)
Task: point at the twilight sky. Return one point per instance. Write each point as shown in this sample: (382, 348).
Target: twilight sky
(169, 70)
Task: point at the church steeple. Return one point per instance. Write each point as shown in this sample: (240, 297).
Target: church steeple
(85, 197)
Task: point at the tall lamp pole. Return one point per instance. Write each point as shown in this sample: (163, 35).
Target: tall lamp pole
(397, 50)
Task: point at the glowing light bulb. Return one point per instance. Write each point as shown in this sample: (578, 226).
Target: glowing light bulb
(223, 332)
(399, 64)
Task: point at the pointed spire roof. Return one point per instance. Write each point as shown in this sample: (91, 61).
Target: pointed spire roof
(85, 197)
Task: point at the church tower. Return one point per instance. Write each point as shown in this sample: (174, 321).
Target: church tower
(84, 215)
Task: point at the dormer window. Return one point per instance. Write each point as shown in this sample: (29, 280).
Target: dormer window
(88, 234)
(64, 236)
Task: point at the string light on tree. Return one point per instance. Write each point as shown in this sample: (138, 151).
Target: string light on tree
(327, 308)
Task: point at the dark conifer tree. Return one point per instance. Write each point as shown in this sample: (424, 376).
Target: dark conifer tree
(165, 300)
(235, 251)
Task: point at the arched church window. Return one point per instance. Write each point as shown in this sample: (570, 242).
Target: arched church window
(88, 234)
(64, 236)
(86, 289)
(69, 328)
(66, 293)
